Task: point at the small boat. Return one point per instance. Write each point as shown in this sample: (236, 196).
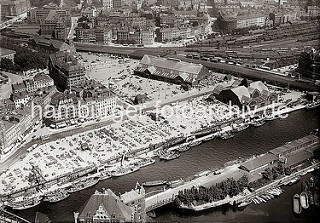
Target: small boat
(239, 127)
(154, 183)
(270, 117)
(83, 183)
(195, 143)
(175, 183)
(125, 170)
(227, 135)
(312, 105)
(183, 148)
(293, 181)
(105, 175)
(25, 204)
(170, 156)
(245, 203)
(190, 138)
(145, 162)
(258, 123)
(211, 137)
(296, 204)
(304, 200)
(56, 196)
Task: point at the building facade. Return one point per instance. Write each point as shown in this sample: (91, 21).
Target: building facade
(65, 70)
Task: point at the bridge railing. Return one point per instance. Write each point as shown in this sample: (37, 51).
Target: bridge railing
(159, 204)
(6, 216)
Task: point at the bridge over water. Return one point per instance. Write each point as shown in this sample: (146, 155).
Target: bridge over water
(8, 217)
(167, 196)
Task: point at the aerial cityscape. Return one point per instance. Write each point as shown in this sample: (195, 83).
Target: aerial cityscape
(159, 111)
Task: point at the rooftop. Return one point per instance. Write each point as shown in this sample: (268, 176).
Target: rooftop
(130, 196)
(110, 202)
(289, 146)
(5, 52)
(259, 161)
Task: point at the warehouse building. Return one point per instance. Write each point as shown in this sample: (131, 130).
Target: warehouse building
(171, 70)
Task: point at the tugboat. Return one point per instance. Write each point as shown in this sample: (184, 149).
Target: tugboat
(304, 200)
(296, 204)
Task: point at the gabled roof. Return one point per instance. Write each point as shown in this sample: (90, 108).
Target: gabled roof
(39, 40)
(218, 89)
(259, 86)
(171, 64)
(130, 196)
(241, 92)
(5, 52)
(110, 202)
(19, 86)
(260, 161)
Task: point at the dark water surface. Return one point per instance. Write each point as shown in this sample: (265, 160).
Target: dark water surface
(209, 155)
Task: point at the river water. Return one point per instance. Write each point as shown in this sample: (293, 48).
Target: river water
(209, 155)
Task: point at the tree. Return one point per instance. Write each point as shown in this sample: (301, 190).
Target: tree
(6, 64)
(267, 174)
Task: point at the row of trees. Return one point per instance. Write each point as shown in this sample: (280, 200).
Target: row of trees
(25, 58)
(275, 172)
(216, 192)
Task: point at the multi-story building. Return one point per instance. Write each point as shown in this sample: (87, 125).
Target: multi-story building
(147, 37)
(19, 88)
(117, 4)
(50, 23)
(313, 11)
(38, 14)
(104, 207)
(15, 126)
(185, 32)
(107, 4)
(89, 12)
(168, 34)
(20, 99)
(107, 207)
(135, 199)
(103, 35)
(38, 82)
(89, 100)
(11, 8)
(65, 70)
(247, 21)
(50, 45)
(137, 21)
(85, 35)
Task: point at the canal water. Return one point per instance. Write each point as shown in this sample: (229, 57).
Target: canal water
(210, 155)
